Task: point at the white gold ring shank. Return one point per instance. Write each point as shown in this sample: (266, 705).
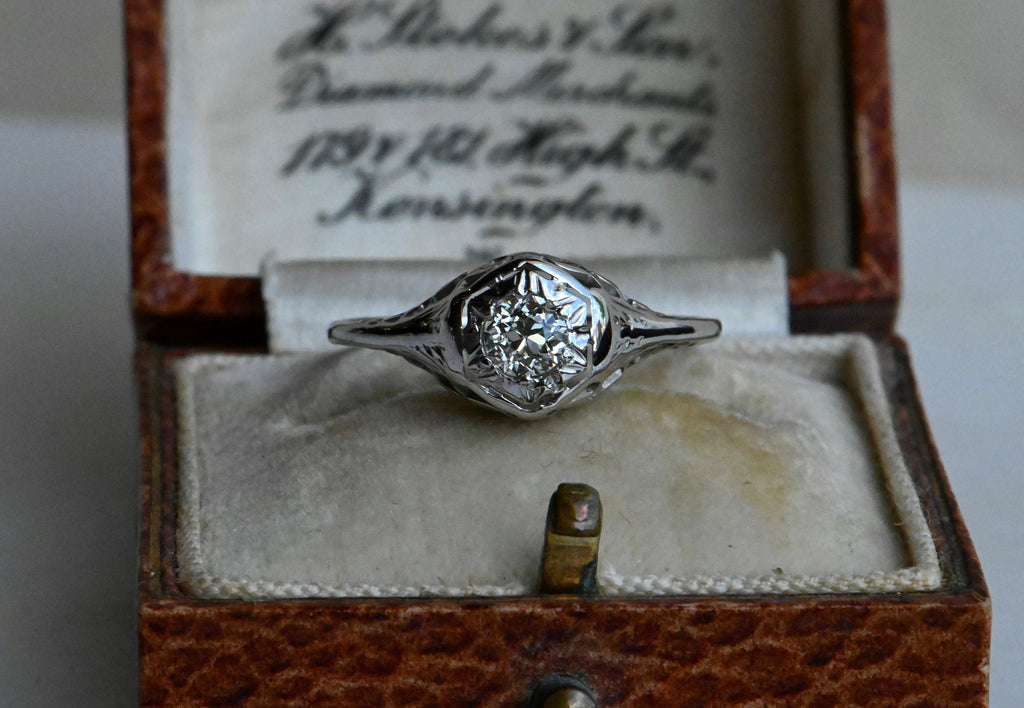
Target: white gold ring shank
(526, 334)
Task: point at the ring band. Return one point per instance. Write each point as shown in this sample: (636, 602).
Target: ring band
(526, 334)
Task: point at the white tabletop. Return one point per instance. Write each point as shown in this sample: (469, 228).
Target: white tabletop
(68, 439)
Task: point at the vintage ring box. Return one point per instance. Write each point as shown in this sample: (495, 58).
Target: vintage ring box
(323, 526)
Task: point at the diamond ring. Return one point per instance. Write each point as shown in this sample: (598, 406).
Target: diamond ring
(526, 334)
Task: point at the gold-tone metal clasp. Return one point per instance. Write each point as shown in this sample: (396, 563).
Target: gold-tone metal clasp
(562, 691)
(571, 540)
(569, 698)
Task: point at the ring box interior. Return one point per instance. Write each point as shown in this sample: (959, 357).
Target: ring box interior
(326, 525)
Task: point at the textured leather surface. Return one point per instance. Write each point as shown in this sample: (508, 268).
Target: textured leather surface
(871, 291)
(720, 653)
(907, 650)
(159, 292)
(175, 307)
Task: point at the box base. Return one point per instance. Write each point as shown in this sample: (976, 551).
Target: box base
(916, 649)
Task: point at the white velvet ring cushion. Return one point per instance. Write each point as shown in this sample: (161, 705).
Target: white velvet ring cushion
(745, 466)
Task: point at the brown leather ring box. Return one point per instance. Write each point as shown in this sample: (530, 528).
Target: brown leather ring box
(900, 648)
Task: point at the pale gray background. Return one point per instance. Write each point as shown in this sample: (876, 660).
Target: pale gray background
(68, 456)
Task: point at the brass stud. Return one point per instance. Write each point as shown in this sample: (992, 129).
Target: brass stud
(569, 698)
(562, 691)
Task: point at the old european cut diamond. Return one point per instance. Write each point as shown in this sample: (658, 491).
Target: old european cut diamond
(537, 334)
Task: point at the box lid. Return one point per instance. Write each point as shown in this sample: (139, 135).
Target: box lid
(857, 290)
